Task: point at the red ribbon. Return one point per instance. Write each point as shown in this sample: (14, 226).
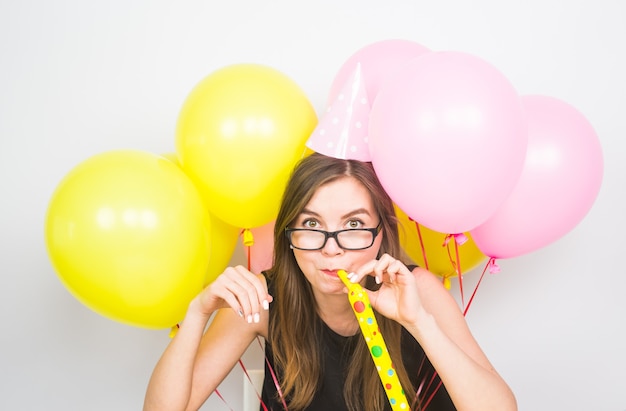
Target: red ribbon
(274, 378)
(223, 400)
(494, 268)
(252, 384)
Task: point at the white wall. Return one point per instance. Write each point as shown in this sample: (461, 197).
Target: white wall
(78, 78)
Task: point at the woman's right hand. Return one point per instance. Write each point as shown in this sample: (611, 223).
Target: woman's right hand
(245, 292)
(199, 358)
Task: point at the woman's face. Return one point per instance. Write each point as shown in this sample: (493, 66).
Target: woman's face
(339, 205)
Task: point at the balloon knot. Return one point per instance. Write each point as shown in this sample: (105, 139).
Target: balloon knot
(174, 330)
(446, 282)
(248, 238)
(459, 238)
(494, 268)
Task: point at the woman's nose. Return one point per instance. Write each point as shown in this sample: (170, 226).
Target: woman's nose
(332, 247)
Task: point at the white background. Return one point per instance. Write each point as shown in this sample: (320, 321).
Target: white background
(81, 77)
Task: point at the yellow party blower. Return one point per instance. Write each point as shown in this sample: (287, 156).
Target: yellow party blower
(373, 337)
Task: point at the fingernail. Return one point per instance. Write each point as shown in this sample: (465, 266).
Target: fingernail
(257, 317)
(378, 280)
(266, 305)
(240, 313)
(352, 277)
(249, 319)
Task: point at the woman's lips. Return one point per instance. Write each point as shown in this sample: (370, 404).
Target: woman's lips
(332, 273)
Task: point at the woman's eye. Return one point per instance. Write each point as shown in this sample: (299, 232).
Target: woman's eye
(310, 224)
(354, 224)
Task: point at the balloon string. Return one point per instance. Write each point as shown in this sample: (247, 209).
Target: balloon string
(459, 270)
(248, 242)
(416, 401)
(430, 383)
(223, 400)
(433, 394)
(274, 378)
(419, 235)
(461, 240)
(493, 268)
(418, 391)
(422, 405)
(452, 261)
(252, 384)
(249, 258)
(421, 391)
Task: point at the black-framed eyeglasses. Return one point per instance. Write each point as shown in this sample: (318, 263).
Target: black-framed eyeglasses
(349, 239)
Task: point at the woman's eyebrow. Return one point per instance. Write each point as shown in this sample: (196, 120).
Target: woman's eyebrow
(309, 212)
(358, 211)
(352, 213)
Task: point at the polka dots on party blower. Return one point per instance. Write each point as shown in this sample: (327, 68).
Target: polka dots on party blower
(375, 342)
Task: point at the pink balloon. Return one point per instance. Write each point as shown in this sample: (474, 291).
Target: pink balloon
(261, 252)
(559, 183)
(378, 61)
(448, 139)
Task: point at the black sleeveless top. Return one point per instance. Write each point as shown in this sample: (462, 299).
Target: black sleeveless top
(336, 350)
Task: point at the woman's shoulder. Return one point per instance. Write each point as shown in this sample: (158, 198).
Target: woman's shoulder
(435, 297)
(426, 278)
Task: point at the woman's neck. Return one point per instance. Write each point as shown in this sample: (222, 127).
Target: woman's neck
(337, 314)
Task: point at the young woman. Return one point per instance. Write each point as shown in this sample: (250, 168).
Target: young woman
(334, 215)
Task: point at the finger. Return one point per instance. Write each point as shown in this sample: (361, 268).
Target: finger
(394, 269)
(222, 289)
(381, 268)
(261, 285)
(244, 292)
(364, 270)
(252, 293)
(234, 303)
(388, 269)
(241, 304)
(373, 268)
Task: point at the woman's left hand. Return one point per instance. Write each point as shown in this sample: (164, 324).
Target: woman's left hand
(398, 297)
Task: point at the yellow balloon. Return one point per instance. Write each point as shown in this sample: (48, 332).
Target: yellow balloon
(441, 259)
(173, 157)
(223, 238)
(239, 133)
(128, 235)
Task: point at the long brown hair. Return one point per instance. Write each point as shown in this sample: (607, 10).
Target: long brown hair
(294, 331)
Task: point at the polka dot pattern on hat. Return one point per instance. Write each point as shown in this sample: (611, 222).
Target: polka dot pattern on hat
(342, 130)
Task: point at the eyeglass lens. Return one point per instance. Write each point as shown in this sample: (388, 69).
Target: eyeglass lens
(348, 239)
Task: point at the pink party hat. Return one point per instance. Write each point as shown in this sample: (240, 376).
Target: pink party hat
(342, 131)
